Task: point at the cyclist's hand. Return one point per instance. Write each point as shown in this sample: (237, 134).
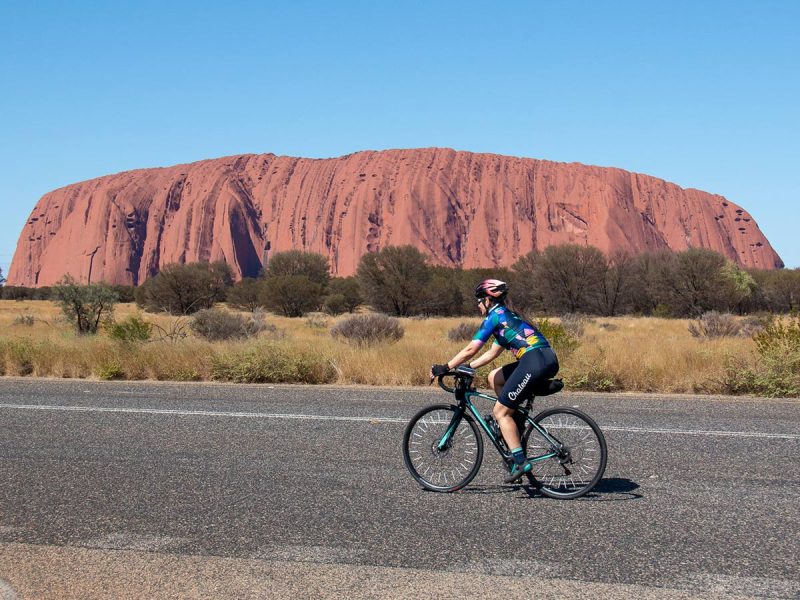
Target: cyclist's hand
(437, 370)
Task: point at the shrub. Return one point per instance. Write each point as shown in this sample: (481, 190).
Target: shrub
(778, 346)
(175, 330)
(132, 329)
(296, 262)
(84, 306)
(368, 330)
(713, 324)
(750, 326)
(185, 289)
(334, 304)
(462, 332)
(392, 279)
(571, 276)
(562, 341)
(19, 356)
(348, 289)
(26, 320)
(109, 370)
(292, 295)
(246, 294)
(270, 363)
(777, 373)
(594, 379)
(317, 320)
(216, 324)
(663, 311)
(125, 293)
(574, 324)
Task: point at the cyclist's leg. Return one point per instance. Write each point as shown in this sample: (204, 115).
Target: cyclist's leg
(498, 376)
(504, 415)
(534, 367)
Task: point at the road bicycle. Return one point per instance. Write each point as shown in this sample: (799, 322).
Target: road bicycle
(443, 447)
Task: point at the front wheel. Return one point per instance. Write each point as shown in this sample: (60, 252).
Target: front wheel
(580, 449)
(444, 469)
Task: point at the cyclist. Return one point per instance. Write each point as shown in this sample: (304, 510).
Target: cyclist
(513, 383)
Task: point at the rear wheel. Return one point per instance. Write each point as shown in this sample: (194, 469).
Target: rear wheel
(452, 467)
(581, 448)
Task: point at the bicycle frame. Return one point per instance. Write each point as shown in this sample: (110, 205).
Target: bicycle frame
(464, 395)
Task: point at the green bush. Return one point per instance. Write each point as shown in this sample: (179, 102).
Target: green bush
(663, 311)
(84, 306)
(777, 372)
(778, 346)
(593, 380)
(246, 294)
(109, 370)
(132, 329)
(26, 320)
(562, 341)
(368, 330)
(18, 356)
(296, 262)
(343, 293)
(185, 289)
(291, 295)
(334, 304)
(271, 363)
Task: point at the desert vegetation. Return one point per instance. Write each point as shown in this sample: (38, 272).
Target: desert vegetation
(597, 353)
(656, 322)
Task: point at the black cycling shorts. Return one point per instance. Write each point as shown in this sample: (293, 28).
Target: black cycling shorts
(525, 376)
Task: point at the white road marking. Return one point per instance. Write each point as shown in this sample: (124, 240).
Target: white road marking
(307, 417)
(6, 591)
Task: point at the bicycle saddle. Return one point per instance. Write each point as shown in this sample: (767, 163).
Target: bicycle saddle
(550, 386)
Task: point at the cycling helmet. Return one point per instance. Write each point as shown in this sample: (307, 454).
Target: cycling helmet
(492, 288)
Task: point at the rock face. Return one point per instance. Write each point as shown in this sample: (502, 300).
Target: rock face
(460, 208)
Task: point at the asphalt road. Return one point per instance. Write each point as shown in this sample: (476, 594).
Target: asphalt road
(213, 491)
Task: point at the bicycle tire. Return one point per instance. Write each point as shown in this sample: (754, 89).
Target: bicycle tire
(592, 441)
(435, 476)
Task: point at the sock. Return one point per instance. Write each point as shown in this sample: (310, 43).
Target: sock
(518, 455)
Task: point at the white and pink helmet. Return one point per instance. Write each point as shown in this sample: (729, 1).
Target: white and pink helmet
(492, 288)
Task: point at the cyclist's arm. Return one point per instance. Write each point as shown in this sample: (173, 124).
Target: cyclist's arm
(468, 352)
(487, 357)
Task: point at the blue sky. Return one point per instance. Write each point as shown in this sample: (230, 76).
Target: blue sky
(701, 94)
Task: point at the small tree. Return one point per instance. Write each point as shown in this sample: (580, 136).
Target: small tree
(2, 279)
(616, 289)
(441, 296)
(571, 277)
(291, 295)
(525, 291)
(348, 289)
(394, 278)
(296, 262)
(738, 286)
(185, 289)
(247, 294)
(84, 306)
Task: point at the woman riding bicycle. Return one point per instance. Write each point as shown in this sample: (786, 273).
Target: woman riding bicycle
(516, 382)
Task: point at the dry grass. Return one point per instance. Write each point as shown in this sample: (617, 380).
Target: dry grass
(626, 353)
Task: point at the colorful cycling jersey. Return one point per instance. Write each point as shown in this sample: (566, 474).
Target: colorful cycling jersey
(510, 331)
